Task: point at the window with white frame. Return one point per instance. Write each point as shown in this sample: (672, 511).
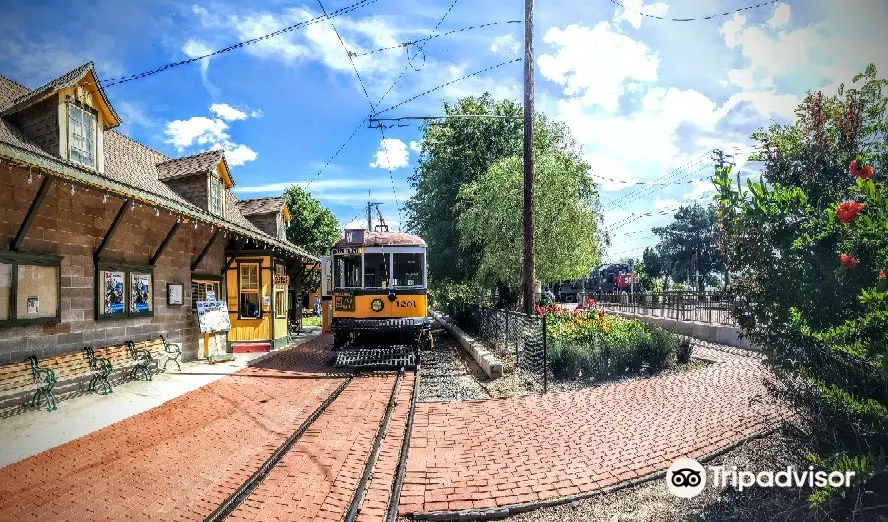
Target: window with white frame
(217, 195)
(82, 135)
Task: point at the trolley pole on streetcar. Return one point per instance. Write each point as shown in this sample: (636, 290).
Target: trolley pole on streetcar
(529, 272)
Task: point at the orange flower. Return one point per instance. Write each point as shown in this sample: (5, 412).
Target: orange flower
(848, 261)
(860, 171)
(882, 274)
(848, 211)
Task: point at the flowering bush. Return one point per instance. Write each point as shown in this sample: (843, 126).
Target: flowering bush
(588, 343)
(809, 243)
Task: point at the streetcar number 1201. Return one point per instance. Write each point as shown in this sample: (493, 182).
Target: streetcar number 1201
(405, 304)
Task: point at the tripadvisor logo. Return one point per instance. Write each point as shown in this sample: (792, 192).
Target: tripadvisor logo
(687, 478)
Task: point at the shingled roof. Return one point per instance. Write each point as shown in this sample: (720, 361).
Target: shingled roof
(127, 162)
(194, 164)
(68, 79)
(252, 207)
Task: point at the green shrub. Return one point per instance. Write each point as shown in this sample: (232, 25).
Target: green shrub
(683, 351)
(657, 350)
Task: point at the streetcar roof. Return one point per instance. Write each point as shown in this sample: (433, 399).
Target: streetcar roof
(383, 239)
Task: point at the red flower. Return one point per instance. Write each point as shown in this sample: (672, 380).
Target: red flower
(882, 274)
(848, 211)
(860, 171)
(848, 261)
(601, 314)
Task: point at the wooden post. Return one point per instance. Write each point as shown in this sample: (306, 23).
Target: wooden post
(529, 272)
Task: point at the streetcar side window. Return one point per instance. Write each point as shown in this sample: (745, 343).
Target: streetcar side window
(408, 269)
(347, 271)
(376, 270)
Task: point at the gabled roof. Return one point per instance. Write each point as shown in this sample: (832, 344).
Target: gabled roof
(194, 164)
(68, 79)
(130, 168)
(252, 207)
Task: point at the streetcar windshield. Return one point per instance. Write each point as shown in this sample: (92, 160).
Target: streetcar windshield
(376, 270)
(408, 269)
(347, 271)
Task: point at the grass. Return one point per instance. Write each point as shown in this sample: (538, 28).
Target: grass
(311, 320)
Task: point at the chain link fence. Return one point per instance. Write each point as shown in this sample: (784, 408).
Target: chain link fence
(519, 340)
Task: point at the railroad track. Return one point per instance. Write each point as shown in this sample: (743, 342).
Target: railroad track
(244, 491)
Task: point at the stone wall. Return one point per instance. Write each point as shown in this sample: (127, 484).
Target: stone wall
(73, 226)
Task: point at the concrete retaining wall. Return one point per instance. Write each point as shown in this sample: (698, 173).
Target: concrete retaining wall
(486, 360)
(713, 333)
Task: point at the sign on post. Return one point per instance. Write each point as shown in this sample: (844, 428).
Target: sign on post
(213, 316)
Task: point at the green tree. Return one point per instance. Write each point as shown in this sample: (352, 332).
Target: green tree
(653, 265)
(455, 152)
(565, 235)
(312, 226)
(687, 244)
(808, 244)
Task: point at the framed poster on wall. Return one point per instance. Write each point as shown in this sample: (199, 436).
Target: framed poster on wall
(111, 296)
(141, 286)
(124, 291)
(175, 293)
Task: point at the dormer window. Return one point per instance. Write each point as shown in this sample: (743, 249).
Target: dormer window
(217, 194)
(82, 134)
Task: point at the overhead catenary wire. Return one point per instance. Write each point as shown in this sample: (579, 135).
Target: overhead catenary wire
(623, 200)
(171, 65)
(431, 37)
(433, 89)
(372, 109)
(709, 17)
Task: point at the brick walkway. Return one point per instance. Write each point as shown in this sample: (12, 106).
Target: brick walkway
(316, 479)
(493, 453)
(177, 461)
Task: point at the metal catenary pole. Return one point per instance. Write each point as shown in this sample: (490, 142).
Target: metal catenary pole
(529, 275)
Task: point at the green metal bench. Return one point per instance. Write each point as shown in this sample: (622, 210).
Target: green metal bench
(28, 377)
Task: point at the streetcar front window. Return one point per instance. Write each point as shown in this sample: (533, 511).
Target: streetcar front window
(408, 269)
(376, 270)
(347, 271)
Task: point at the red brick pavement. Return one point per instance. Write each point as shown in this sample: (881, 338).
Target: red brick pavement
(491, 453)
(376, 499)
(177, 461)
(317, 478)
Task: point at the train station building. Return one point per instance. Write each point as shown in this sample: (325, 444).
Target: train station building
(104, 240)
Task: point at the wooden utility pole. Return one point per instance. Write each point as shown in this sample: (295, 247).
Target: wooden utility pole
(529, 272)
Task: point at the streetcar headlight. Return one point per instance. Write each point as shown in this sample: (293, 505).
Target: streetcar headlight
(377, 305)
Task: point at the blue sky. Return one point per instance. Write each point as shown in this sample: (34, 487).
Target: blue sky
(642, 96)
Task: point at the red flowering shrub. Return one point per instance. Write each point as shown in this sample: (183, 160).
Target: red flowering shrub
(848, 211)
(815, 300)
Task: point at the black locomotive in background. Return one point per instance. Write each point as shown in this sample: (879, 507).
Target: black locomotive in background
(611, 277)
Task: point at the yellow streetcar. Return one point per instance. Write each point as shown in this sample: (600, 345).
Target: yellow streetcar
(376, 282)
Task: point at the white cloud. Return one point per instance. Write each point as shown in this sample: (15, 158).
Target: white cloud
(505, 45)
(227, 112)
(237, 154)
(194, 49)
(197, 130)
(781, 16)
(633, 10)
(318, 186)
(415, 146)
(701, 188)
(210, 133)
(392, 154)
(583, 70)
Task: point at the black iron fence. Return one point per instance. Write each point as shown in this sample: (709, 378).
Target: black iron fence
(705, 307)
(519, 340)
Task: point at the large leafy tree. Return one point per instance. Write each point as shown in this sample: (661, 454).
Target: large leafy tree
(566, 242)
(808, 242)
(687, 244)
(312, 226)
(455, 152)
